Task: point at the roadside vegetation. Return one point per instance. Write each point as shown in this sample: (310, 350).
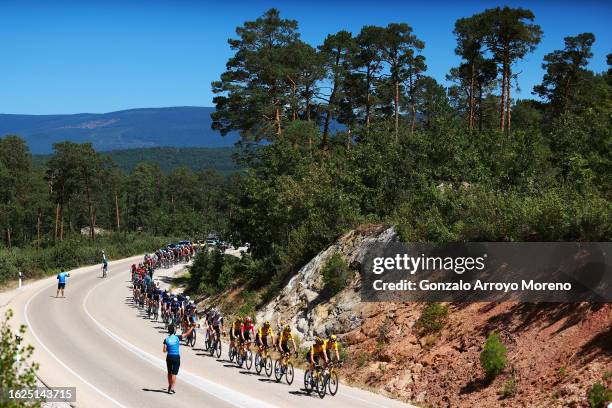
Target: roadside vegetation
(73, 252)
(16, 370)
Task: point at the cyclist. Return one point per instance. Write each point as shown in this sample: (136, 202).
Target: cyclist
(175, 309)
(284, 337)
(261, 338)
(104, 263)
(332, 344)
(317, 350)
(234, 333)
(247, 333)
(217, 325)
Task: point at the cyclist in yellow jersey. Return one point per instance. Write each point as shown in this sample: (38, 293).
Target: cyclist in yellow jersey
(332, 344)
(283, 341)
(261, 338)
(317, 350)
(235, 330)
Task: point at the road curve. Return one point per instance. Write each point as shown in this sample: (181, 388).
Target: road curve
(96, 340)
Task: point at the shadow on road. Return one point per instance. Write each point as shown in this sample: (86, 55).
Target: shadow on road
(162, 390)
(301, 393)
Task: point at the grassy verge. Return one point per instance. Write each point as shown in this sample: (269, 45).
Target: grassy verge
(71, 253)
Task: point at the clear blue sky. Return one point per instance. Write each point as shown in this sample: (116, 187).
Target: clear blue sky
(70, 57)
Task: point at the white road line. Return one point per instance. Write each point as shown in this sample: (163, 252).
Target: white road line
(27, 320)
(221, 392)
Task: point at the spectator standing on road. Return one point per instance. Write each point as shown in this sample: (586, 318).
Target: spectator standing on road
(173, 358)
(61, 282)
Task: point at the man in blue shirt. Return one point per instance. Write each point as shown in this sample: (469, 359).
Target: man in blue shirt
(173, 358)
(61, 282)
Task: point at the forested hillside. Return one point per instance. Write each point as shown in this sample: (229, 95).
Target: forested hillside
(180, 126)
(219, 159)
(465, 163)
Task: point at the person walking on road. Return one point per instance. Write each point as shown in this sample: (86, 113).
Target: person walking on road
(173, 358)
(61, 282)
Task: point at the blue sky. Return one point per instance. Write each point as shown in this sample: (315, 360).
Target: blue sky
(71, 57)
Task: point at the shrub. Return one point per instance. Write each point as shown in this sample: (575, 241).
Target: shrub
(362, 358)
(432, 319)
(335, 274)
(599, 395)
(15, 372)
(493, 357)
(510, 388)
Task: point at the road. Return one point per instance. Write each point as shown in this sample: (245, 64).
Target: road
(96, 340)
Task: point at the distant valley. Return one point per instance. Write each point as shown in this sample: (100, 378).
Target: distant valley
(185, 126)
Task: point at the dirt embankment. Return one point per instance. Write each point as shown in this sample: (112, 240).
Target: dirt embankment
(556, 352)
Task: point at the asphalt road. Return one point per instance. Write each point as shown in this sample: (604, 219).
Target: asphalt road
(94, 339)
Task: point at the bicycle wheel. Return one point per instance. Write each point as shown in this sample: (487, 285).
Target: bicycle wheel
(289, 373)
(321, 385)
(240, 359)
(231, 353)
(278, 370)
(308, 381)
(155, 314)
(258, 363)
(332, 383)
(249, 359)
(193, 338)
(206, 342)
(268, 366)
(218, 353)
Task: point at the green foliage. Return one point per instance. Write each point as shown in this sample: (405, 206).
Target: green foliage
(16, 371)
(493, 357)
(432, 319)
(599, 395)
(335, 274)
(510, 387)
(72, 252)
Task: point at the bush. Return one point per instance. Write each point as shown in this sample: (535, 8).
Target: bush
(599, 395)
(493, 357)
(335, 273)
(432, 319)
(15, 372)
(73, 252)
(510, 388)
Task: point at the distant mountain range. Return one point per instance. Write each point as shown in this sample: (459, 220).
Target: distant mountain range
(184, 126)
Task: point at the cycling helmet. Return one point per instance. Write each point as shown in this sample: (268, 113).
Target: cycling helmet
(187, 297)
(191, 302)
(248, 319)
(266, 324)
(286, 328)
(175, 299)
(318, 340)
(333, 337)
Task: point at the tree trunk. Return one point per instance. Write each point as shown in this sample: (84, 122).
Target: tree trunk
(8, 236)
(38, 230)
(277, 120)
(89, 208)
(480, 107)
(502, 114)
(367, 112)
(471, 114)
(508, 100)
(57, 209)
(396, 108)
(117, 209)
(332, 98)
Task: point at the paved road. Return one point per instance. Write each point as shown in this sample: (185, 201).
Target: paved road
(96, 340)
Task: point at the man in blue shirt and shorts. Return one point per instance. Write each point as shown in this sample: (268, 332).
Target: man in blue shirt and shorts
(173, 358)
(61, 282)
